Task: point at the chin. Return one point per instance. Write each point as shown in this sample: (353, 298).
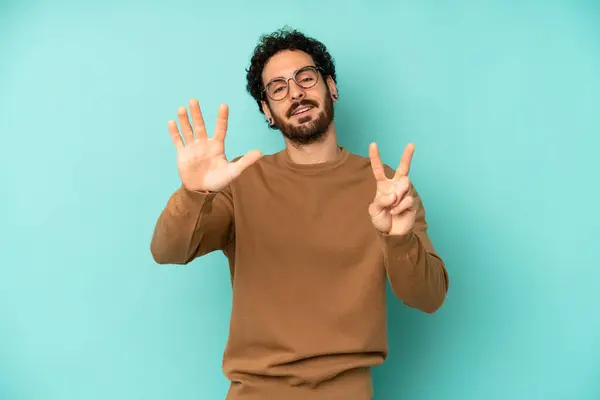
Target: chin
(307, 129)
(302, 120)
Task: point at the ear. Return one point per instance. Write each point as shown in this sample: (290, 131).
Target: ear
(266, 110)
(332, 89)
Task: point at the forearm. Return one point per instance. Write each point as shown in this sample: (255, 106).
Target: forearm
(417, 274)
(179, 229)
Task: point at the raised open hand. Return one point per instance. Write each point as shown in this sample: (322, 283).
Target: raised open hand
(393, 209)
(201, 160)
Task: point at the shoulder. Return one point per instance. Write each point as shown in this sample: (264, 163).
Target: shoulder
(267, 160)
(266, 166)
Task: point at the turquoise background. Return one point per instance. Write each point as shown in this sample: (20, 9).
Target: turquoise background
(502, 99)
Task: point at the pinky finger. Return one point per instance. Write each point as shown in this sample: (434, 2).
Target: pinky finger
(175, 136)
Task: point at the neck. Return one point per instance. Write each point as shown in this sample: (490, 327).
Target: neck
(323, 151)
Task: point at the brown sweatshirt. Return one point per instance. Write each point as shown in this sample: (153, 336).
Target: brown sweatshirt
(308, 273)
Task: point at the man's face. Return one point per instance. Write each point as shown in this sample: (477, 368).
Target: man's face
(306, 127)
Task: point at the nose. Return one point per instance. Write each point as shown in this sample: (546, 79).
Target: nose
(296, 92)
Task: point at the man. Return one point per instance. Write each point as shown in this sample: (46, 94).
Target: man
(311, 234)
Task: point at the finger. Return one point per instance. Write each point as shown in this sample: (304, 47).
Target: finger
(175, 136)
(222, 121)
(401, 188)
(407, 203)
(404, 166)
(237, 167)
(376, 164)
(198, 120)
(382, 202)
(186, 128)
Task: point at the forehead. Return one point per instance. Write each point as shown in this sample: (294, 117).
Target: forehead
(285, 63)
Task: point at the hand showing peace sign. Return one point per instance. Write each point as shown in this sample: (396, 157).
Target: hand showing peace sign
(393, 210)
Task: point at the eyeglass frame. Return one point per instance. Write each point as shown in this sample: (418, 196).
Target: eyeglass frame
(319, 70)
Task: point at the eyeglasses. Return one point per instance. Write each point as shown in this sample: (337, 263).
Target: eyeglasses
(305, 77)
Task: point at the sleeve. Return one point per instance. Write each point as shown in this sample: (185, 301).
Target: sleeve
(417, 274)
(193, 224)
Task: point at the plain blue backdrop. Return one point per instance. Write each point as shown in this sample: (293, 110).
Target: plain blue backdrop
(502, 99)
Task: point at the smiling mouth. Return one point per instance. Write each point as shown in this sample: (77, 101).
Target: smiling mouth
(302, 110)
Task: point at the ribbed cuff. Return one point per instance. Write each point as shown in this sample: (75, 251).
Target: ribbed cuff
(396, 241)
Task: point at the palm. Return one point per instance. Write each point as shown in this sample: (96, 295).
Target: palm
(203, 164)
(385, 219)
(201, 160)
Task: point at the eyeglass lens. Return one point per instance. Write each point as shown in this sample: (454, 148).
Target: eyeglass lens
(305, 78)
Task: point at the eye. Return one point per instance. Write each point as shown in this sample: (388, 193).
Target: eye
(306, 77)
(276, 87)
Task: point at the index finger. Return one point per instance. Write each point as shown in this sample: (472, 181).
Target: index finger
(404, 166)
(376, 163)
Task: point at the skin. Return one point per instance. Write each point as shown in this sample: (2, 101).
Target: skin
(394, 209)
(203, 166)
(284, 64)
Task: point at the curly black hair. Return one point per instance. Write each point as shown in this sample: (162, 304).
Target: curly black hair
(284, 39)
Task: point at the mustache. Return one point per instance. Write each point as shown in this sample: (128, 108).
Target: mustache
(299, 104)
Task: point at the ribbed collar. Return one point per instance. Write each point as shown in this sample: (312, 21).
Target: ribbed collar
(317, 167)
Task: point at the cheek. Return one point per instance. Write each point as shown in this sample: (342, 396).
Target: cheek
(277, 110)
(281, 110)
(324, 98)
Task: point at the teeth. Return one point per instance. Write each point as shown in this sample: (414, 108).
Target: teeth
(302, 110)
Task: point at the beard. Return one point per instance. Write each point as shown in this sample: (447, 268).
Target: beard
(308, 129)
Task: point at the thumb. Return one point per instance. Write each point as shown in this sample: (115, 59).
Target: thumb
(382, 202)
(237, 167)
